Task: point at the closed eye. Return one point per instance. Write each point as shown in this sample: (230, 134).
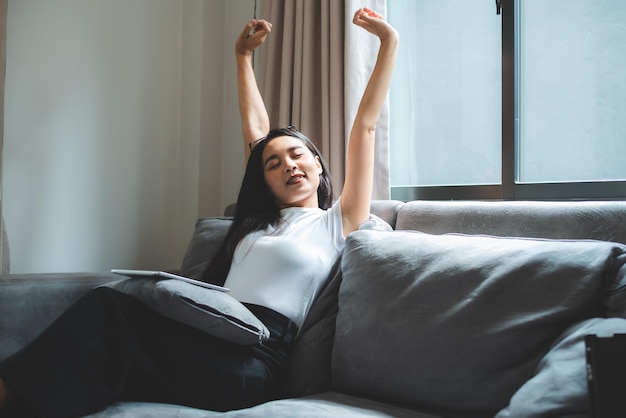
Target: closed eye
(273, 161)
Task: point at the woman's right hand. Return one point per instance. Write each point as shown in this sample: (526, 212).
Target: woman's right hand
(374, 23)
(252, 35)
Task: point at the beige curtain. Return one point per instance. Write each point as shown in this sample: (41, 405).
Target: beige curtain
(310, 78)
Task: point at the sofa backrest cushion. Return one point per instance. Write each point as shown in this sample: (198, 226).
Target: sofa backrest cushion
(205, 242)
(387, 210)
(456, 324)
(600, 220)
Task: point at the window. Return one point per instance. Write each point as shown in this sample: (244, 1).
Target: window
(528, 104)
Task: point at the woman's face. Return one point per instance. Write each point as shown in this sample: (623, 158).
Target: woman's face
(291, 172)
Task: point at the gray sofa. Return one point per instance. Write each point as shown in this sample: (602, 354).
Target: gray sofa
(449, 315)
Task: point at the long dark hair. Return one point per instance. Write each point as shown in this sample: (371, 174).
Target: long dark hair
(256, 206)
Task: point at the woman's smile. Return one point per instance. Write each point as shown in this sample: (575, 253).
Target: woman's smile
(295, 179)
(292, 172)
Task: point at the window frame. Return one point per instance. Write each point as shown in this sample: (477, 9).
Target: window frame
(510, 188)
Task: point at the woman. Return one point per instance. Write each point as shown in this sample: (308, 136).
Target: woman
(109, 347)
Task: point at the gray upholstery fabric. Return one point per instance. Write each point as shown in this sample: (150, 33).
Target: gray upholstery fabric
(323, 405)
(211, 311)
(206, 240)
(458, 323)
(559, 388)
(151, 410)
(308, 371)
(375, 223)
(30, 302)
(562, 220)
(387, 210)
(230, 210)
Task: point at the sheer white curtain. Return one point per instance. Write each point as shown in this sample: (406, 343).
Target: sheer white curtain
(360, 57)
(312, 73)
(4, 243)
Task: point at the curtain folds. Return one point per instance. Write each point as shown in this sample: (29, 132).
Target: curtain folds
(312, 73)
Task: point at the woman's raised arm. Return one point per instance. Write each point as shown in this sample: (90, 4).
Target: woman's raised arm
(255, 121)
(357, 189)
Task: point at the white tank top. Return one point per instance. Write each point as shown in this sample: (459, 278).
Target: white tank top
(284, 267)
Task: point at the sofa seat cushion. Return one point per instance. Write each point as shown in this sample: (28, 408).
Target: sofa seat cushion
(457, 324)
(151, 410)
(328, 404)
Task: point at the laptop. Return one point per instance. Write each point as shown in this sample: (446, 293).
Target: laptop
(165, 275)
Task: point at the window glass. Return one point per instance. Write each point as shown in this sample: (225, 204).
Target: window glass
(446, 93)
(572, 83)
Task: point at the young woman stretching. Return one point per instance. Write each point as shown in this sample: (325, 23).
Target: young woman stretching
(286, 235)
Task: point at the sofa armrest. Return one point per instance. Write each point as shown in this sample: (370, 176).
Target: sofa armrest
(30, 302)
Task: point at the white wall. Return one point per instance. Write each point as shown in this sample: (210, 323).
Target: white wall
(121, 128)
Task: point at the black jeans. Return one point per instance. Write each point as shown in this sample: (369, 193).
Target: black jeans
(109, 347)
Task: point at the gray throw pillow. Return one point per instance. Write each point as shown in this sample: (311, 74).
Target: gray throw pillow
(375, 223)
(208, 310)
(211, 311)
(559, 388)
(457, 324)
